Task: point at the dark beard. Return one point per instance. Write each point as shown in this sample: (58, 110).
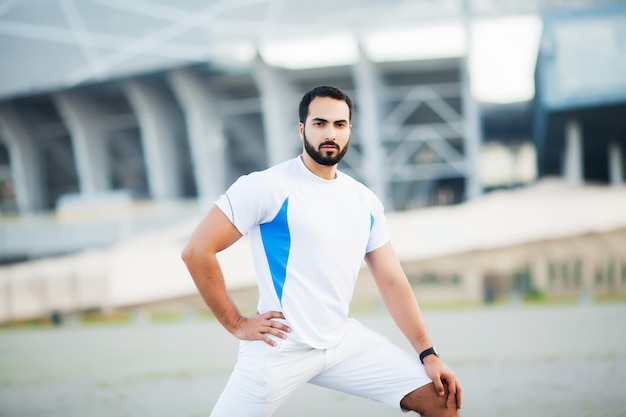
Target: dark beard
(321, 157)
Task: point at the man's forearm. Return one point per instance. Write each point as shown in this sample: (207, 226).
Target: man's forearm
(405, 311)
(398, 295)
(209, 280)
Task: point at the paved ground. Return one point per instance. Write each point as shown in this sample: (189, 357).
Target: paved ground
(512, 361)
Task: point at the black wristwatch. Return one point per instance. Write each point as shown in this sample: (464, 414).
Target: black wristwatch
(430, 351)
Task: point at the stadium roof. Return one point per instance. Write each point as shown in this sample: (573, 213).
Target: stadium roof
(56, 44)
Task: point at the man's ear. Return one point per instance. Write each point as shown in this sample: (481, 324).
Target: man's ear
(301, 130)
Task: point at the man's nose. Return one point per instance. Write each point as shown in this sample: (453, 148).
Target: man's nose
(331, 133)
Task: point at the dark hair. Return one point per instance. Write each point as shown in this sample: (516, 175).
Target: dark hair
(322, 91)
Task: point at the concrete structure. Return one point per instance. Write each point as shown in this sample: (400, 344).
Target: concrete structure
(189, 132)
(546, 240)
(107, 134)
(579, 124)
(410, 130)
(179, 101)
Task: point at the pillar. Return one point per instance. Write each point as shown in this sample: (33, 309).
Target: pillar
(24, 160)
(205, 130)
(279, 105)
(368, 86)
(588, 286)
(89, 141)
(473, 282)
(539, 274)
(573, 158)
(159, 123)
(616, 168)
(472, 138)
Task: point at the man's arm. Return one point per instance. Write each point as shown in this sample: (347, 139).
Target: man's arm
(398, 296)
(214, 234)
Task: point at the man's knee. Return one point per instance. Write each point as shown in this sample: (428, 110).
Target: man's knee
(428, 403)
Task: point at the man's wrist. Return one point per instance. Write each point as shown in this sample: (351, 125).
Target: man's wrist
(428, 353)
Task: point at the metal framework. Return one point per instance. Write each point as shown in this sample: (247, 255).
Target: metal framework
(94, 92)
(94, 40)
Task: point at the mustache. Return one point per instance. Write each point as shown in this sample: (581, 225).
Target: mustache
(329, 143)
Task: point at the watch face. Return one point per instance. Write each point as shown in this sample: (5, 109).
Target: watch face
(430, 351)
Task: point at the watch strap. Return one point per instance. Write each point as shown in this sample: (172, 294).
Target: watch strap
(430, 351)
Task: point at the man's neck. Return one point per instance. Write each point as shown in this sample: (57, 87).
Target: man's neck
(322, 171)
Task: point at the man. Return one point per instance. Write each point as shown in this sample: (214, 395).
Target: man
(310, 228)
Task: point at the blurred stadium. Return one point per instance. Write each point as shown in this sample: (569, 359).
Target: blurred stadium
(494, 131)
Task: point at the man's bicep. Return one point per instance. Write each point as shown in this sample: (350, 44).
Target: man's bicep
(215, 232)
(383, 263)
(377, 258)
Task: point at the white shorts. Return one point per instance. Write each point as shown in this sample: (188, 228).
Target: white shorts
(365, 364)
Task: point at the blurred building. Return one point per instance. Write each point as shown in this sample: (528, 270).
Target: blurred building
(123, 117)
(103, 105)
(579, 125)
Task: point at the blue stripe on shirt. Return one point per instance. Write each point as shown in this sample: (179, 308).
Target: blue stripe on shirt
(276, 242)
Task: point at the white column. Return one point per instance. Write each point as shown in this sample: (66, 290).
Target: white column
(573, 159)
(279, 104)
(539, 273)
(472, 138)
(473, 286)
(587, 289)
(82, 118)
(616, 168)
(206, 132)
(24, 160)
(159, 123)
(368, 87)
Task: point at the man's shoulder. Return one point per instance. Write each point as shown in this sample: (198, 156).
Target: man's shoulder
(267, 180)
(277, 169)
(262, 174)
(357, 185)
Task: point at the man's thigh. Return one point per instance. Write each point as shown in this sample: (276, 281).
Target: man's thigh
(368, 365)
(265, 376)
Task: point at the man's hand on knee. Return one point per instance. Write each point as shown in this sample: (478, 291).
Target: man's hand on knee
(445, 381)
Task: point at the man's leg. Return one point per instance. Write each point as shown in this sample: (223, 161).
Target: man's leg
(264, 376)
(368, 365)
(428, 403)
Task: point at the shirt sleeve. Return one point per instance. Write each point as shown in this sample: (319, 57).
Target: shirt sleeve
(379, 234)
(247, 202)
(238, 203)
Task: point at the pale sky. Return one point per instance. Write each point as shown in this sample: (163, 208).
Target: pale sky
(503, 58)
(503, 52)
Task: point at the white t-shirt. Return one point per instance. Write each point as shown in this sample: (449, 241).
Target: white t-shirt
(308, 238)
